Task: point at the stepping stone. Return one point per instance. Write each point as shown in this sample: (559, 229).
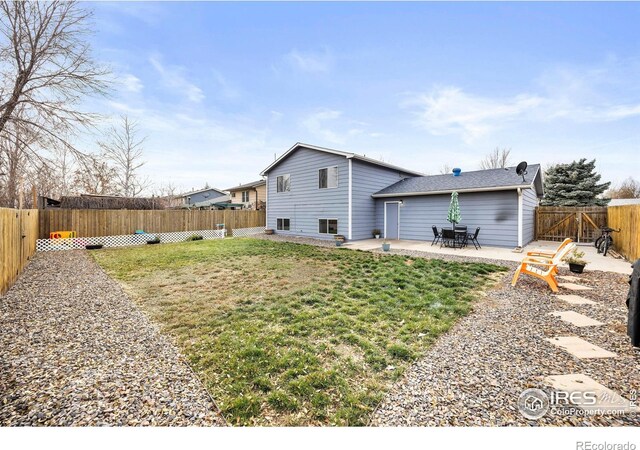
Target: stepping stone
(606, 399)
(580, 348)
(574, 287)
(568, 278)
(577, 319)
(576, 299)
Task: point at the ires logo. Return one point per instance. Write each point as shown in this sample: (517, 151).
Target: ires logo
(576, 398)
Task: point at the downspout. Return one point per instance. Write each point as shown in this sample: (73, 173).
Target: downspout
(266, 201)
(520, 217)
(350, 197)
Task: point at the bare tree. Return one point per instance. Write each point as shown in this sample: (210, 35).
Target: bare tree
(95, 176)
(445, 169)
(124, 151)
(629, 188)
(46, 69)
(497, 159)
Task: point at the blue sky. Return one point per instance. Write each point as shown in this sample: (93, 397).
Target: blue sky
(219, 88)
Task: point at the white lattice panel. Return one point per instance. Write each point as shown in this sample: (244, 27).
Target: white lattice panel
(244, 232)
(47, 245)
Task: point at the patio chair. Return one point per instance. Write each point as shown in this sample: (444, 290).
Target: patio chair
(543, 268)
(448, 238)
(550, 253)
(436, 234)
(473, 237)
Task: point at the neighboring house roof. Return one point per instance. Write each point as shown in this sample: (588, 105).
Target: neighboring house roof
(347, 155)
(186, 194)
(251, 185)
(213, 202)
(624, 201)
(475, 181)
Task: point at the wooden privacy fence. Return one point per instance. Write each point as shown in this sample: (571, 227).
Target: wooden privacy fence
(627, 219)
(18, 234)
(90, 222)
(582, 224)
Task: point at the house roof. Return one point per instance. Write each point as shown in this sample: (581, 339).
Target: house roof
(474, 181)
(253, 184)
(624, 201)
(186, 194)
(213, 202)
(347, 155)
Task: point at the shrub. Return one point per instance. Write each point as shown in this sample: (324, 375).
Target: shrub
(194, 237)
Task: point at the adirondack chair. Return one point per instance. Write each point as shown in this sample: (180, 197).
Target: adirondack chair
(543, 268)
(550, 253)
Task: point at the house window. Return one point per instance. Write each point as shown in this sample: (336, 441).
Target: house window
(328, 178)
(245, 196)
(283, 183)
(233, 195)
(283, 224)
(328, 226)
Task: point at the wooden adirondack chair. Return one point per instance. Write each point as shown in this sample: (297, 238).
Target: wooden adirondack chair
(543, 268)
(550, 253)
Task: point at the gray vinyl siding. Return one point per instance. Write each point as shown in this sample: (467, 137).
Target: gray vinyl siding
(367, 179)
(305, 203)
(202, 196)
(496, 213)
(529, 203)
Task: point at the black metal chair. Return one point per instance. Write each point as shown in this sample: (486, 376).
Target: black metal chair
(473, 237)
(436, 234)
(448, 238)
(461, 235)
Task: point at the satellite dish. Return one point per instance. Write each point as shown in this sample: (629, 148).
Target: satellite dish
(522, 169)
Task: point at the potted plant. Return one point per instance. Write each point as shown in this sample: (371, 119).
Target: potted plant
(339, 240)
(386, 246)
(268, 231)
(575, 261)
(155, 240)
(376, 233)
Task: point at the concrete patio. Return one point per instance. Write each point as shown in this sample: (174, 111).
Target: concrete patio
(596, 261)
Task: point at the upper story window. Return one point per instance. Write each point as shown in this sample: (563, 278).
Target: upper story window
(283, 183)
(245, 196)
(328, 178)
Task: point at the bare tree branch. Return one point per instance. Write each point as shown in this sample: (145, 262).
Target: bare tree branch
(497, 159)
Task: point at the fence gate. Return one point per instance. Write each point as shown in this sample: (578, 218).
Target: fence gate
(582, 224)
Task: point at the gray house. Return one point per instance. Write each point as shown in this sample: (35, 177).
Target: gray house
(319, 192)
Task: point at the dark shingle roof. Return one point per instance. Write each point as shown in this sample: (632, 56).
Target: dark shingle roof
(247, 185)
(467, 181)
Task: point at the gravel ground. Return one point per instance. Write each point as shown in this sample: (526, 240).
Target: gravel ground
(74, 350)
(475, 373)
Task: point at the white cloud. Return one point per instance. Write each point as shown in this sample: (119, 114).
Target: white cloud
(174, 78)
(130, 82)
(310, 61)
(450, 110)
(319, 124)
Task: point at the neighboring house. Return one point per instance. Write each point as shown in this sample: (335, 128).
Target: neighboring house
(319, 192)
(251, 195)
(200, 195)
(222, 202)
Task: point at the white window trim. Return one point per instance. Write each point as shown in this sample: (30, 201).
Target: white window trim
(283, 175)
(399, 202)
(283, 218)
(337, 177)
(328, 218)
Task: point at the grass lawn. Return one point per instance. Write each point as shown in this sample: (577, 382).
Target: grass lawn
(290, 334)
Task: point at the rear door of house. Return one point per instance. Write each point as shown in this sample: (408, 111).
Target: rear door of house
(391, 220)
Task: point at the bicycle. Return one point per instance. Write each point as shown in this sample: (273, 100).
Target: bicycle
(605, 240)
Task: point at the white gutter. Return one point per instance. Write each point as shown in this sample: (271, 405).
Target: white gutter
(350, 197)
(449, 191)
(520, 218)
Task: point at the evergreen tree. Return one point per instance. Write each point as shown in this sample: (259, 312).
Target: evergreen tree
(574, 184)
